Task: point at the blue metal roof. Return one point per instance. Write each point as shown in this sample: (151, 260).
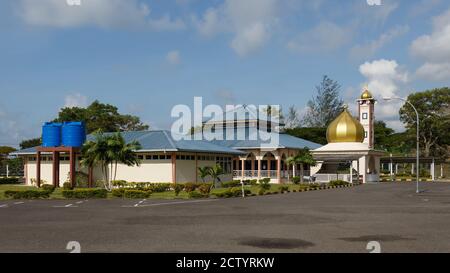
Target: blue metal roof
(252, 140)
(154, 141)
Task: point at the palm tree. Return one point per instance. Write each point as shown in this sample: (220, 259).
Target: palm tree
(123, 152)
(290, 161)
(215, 172)
(203, 172)
(97, 152)
(302, 158)
(107, 150)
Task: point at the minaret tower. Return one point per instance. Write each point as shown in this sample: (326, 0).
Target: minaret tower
(366, 116)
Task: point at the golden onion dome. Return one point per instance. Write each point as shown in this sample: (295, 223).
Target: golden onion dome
(345, 128)
(366, 95)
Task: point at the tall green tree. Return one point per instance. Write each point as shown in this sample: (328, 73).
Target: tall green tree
(292, 119)
(30, 143)
(100, 116)
(316, 135)
(326, 105)
(434, 115)
(387, 139)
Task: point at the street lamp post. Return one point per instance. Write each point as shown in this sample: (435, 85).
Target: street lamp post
(418, 137)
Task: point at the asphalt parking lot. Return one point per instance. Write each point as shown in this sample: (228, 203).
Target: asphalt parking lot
(338, 220)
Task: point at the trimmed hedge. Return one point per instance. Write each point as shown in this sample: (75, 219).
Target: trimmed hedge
(232, 192)
(231, 184)
(338, 183)
(196, 195)
(118, 192)
(133, 194)
(49, 188)
(27, 194)
(177, 188)
(9, 180)
(85, 193)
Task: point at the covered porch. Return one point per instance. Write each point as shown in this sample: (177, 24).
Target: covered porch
(258, 164)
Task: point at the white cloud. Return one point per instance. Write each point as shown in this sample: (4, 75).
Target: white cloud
(250, 21)
(75, 100)
(12, 128)
(326, 36)
(434, 71)
(173, 57)
(385, 77)
(434, 49)
(369, 49)
(99, 13)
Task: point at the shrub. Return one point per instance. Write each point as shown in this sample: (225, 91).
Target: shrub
(296, 179)
(196, 194)
(231, 184)
(136, 194)
(81, 179)
(67, 186)
(9, 180)
(190, 187)
(118, 192)
(159, 187)
(48, 188)
(338, 183)
(284, 188)
(177, 188)
(261, 191)
(237, 192)
(27, 194)
(204, 188)
(85, 193)
(119, 183)
(265, 183)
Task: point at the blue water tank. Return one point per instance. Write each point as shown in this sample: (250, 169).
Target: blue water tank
(51, 134)
(73, 134)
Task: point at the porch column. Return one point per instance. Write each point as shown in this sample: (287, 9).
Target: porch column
(269, 167)
(253, 167)
(196, 168)
(174, 168)
(38, 169)
(432, 170)
(72, 167)
(391, 168)
(279, 169)
(412, 168)
(351, 172)
(55, 169)
(293, 169)
(442, 170)
(357, 165)
(396, 168)
(259, 168)
(243, 168)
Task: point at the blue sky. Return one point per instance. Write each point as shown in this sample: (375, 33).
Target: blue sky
(145, 56)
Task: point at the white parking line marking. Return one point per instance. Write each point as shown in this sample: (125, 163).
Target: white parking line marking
(4, 206)
(170, 203)
(69, 205)
(79, 202)
(18, 203)
(139, 203)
